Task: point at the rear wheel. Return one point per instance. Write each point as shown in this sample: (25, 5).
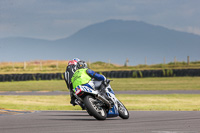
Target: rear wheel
(123, 112)
(92, 106)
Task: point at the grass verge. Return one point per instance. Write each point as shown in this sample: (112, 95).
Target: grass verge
(172, 102)
(168, 83)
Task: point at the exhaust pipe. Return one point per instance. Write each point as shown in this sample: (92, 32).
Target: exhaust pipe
(104, 100)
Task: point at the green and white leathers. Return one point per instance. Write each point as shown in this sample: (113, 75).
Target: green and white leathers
(80, 77)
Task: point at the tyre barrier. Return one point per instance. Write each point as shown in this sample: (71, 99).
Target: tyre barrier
(27, 77)
(109, 74)
(152, 73)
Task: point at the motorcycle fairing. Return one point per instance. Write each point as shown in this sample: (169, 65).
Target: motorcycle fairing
(113, 112)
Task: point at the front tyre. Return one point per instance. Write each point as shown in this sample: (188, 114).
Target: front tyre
(123, 112)
(92, 106)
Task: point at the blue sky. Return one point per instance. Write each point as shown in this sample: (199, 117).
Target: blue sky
(55, 19)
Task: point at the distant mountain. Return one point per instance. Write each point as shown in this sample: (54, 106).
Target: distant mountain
(113, 39)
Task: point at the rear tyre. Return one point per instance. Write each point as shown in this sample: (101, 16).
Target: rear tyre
(123, 112)
(96, 111)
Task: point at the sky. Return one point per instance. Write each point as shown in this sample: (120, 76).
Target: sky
(55, 19)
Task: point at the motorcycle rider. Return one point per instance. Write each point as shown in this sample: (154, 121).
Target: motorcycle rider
(87, 77)
(71, 68)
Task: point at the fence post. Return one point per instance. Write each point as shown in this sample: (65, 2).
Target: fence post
(13, 65)
(57, 65)
(24, 65)
(109, 62)
(164, 60)
(40, 65)
(188, 60)
(126, 62)
(89, 63)
(175, 60)
(145, 60)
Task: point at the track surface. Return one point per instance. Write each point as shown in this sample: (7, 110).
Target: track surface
(79, 121)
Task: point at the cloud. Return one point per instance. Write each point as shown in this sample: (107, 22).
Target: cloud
(195, 30)
(54, 19)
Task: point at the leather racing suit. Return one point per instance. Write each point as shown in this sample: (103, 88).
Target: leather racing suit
(84, 76)
(68, 75)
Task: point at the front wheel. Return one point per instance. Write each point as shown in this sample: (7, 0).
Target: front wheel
(92, 106)
(123, 112)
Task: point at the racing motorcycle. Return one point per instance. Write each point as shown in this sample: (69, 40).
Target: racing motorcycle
(100, 101)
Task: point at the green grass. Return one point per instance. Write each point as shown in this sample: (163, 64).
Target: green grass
(49, 85)
(169, 83)
(173, 102)
(60, 102)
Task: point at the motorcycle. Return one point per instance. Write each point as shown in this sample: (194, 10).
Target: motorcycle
(100, 101)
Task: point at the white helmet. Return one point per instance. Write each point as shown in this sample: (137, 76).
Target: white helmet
(76, 59)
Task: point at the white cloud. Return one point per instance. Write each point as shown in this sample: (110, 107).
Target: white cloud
(195, 30)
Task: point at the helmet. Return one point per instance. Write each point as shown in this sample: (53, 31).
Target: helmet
(72, 62)
(76, 59)
(81, 64)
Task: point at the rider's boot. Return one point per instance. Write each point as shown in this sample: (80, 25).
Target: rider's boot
(80, 104)
(73, 101)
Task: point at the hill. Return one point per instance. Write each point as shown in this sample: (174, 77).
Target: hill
(113, 40)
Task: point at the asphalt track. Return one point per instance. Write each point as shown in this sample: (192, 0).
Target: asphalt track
(116, 92)
(80, 121)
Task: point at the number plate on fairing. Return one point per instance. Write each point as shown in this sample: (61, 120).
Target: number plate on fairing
(80, 89)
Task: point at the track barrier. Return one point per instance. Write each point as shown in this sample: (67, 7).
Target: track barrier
(109, 74)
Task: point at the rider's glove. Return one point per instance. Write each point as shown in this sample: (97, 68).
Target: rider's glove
(106, 82)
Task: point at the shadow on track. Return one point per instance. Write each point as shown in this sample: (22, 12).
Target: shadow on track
(67, 112)
(68, 115)
(81, 119)
(72, 116)
(75, 117)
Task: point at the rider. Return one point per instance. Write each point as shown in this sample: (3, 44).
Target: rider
(71, 68)
(83, 76)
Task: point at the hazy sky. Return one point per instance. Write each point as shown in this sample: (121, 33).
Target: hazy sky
(54, 19)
